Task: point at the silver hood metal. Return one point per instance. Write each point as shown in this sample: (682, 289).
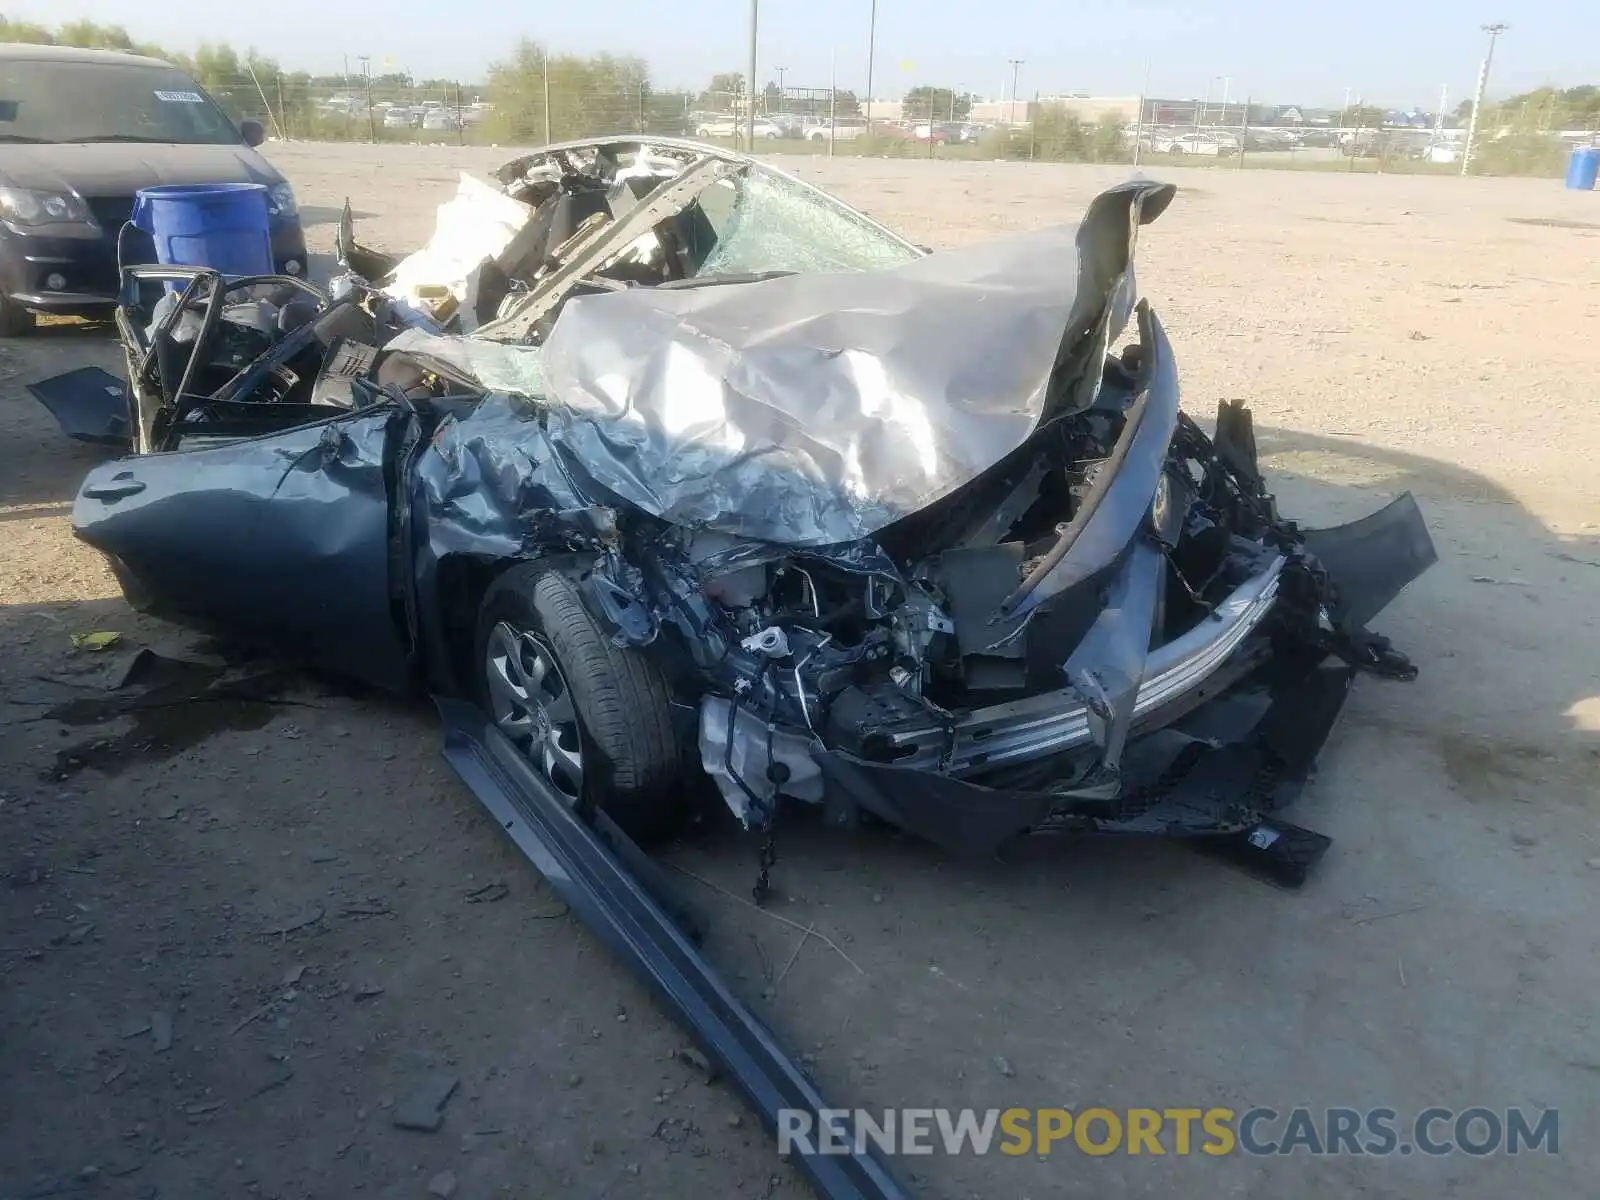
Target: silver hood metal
(817, 408)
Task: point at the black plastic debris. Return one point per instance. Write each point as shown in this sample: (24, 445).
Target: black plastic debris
(89, 403)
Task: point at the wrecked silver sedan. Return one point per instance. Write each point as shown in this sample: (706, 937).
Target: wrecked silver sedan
(682, 469)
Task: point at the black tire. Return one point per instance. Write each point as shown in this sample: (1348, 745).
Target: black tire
(15, 321)
(633, 757)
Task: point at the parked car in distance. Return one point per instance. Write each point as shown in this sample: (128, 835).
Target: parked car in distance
(81, 131)
(720, 125)
(437, 120)
(841, 129)
(1197, 143)
(1270, 139)
(1446, 150)
(397, 118)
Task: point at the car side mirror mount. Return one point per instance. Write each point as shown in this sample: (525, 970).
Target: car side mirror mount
(253, 132)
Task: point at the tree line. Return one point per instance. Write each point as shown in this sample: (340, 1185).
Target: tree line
(534, 95)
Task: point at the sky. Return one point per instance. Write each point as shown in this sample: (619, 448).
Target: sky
(1275, 51)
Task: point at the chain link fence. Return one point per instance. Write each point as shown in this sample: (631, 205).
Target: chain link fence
(566, 99)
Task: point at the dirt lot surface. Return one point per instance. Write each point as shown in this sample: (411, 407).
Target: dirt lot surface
(236, 939)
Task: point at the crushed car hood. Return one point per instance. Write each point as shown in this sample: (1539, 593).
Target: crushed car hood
(818, 408)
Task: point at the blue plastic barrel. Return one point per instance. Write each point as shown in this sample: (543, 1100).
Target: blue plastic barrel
(218, 225)
(1583, 168)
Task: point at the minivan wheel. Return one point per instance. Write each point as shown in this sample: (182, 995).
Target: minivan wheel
(15, 321)
(595, 719)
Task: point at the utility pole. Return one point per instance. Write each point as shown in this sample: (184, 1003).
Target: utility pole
(833, 100)
(1016, 66)
(1361, 127)
(366, 75)
(1494, 31)
(1244, 131)
(1138, 122)
(782, 107)
(750, 88)
(546, 82)
(872, 53)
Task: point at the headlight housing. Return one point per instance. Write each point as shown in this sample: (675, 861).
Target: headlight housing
(280, 199)
(24, 206)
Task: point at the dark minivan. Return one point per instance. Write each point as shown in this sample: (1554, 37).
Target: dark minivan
(80, 132)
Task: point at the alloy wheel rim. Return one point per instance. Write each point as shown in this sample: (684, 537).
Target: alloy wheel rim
(531, 703)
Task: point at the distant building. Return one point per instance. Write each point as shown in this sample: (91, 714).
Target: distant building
(1002, 112)
(1197, 112)
(1090, 109)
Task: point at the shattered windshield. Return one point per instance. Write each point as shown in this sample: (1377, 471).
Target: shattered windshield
(765, 222)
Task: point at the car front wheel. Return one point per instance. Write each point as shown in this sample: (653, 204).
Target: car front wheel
(594, 718)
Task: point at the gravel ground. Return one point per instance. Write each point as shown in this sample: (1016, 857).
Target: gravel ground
(237, 938)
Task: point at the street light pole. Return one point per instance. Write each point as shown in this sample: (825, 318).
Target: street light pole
(1494, 31)
(1016, 66)
(872, 50)
(750, 88)
(366, 75)
(1200, 113)
(782, 107)
(544, 75)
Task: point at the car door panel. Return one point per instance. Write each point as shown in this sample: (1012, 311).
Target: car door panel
(283, 539)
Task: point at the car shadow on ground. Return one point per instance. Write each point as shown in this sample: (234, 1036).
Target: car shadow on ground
(56, 330)
(312, 215)
(40, 467)
(141, 690)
